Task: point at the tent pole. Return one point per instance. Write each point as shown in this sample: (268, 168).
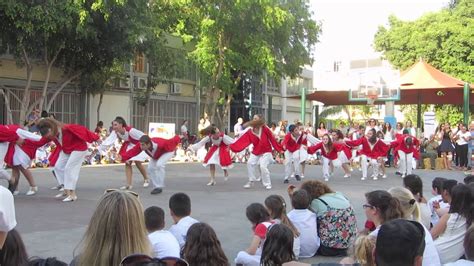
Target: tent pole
(466, 103)
(418, 113)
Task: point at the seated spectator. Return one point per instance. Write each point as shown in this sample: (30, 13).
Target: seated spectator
(46, 262)
(331, 208)
(7, 214)
(362, 251)
(400, 242)
(13, 251)
(381, 207)
(202, 247)
(437, 200)
(261, 221)
(180, 209)
(276, 207)
(451, 228)
(469, 179)
(468, 250)
(415, 185)
(305, 221)
(411, 211)
(278, 246)
(145, 260)
(429, 150)
(164, 244)
(116, 229)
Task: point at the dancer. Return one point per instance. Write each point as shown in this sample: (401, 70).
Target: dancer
(406, 148)
(291, 144)
(345, 154)
(306, 137)
(218, 153)
(262, 139)
(160, 151)
(329, 154)
(130, 137)
(373, 151)
(73, 140)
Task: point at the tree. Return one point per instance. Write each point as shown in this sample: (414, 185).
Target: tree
(236, 37)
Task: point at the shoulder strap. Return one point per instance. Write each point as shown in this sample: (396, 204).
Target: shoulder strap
(325, 203)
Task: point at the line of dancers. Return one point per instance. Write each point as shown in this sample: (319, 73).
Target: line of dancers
(18, 148)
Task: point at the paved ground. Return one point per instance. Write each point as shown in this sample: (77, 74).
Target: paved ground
(52, 228)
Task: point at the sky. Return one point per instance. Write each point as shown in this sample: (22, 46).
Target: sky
(349, 26)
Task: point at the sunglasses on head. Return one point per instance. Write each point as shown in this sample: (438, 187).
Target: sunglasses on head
(145, 260)
(114, 189)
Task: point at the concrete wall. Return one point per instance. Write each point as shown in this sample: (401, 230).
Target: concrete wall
(10, 70)
(113, 104)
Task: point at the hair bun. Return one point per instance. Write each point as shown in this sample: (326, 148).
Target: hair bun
(412, 201)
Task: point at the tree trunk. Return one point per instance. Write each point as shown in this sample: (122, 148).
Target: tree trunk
(49, 66)
(24, 105)
(101, 97)
(60, 88)
(147, 103)
(225, 116)
(6, 96)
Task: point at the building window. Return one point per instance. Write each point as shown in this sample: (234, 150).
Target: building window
(337, 66)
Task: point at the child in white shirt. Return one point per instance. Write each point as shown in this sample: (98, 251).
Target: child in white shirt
(434, 202)
(163, 242)
(180, 209)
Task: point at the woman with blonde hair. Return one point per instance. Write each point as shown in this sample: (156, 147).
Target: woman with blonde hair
(116, 230)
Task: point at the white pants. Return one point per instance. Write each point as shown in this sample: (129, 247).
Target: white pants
(263, 160)
(156, 169)
(326, 166)
(3, 151)
(292, 163)
(247, 260)
(365, 165)
(67, 168)
(405, 162)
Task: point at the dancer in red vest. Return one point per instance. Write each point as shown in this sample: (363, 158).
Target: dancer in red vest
(406, 147)
(345, 155)
(306, 137)
(291, 144)
(160, 151)
(218, 154)
(130, 137)
(73, 139)
(329, 154)
(262, 139)
(8, 134)
(373, 151)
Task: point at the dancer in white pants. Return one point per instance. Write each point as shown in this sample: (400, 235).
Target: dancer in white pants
(73, 139)
(263, 140)
(329, 154)
(160, 150)
(406, 147)
(292, 144)
(373, 151)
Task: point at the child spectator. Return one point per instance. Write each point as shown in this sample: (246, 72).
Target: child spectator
(164, 244)
(7, 214)
(13, 252)
(180, 209)
(437, 200)
(278, 246)
(305, 221)
(468, 249)
(415, 185)
(202, 247)
(261, 221)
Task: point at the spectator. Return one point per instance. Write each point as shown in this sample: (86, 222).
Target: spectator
(462, 139)
(305, 221)
(7, 214)
(400, 242)
(180, 209)
(321, 131)
(46, 262)
(278, 247)
(449, 232)
(164, 244)
(471, 146)
(362, 251)
(184, 131)
(13, 252)
(411, 211)
(436, 204)
(276, 207)
(261, 221)
(202, 247)
(201, 124)
(330, 208)
(447, 190)
(31, 120)
(468, 250)
(116, 229)
(415, 185)
(468, 179)
(100, 130)
(430, 150)
(381, 207)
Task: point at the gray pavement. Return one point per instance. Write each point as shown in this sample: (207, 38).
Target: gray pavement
(50, 227)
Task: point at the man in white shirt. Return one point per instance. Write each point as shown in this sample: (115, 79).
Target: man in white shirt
(7, 214)
(305, 221)
(180, 209)
(164, 244)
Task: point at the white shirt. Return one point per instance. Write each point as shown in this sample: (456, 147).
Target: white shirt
(164, 244)
(461, 140)
(7, 210)
(180, 229)
(460, 263)
(450, 242)
(305, 222)
(442, 205)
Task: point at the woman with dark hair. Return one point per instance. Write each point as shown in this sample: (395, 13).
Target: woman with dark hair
(261, 221)
(321, 130)
(13, 251)
(129, 137)
(415, 185)
(446, 146)
(278, 246)
(462, 139)
(202, 247)
(381, 207)
(449, 232)
(329, 153)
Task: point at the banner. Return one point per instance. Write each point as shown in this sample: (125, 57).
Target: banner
(161, 130)
(429, 124)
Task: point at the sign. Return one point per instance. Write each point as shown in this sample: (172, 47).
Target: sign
(429, 124)
(161, 130)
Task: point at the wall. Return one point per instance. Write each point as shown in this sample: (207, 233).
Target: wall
(113, 104)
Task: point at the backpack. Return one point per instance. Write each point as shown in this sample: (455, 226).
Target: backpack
(337, 227)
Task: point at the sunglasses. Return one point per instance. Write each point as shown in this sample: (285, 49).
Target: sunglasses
(368, 206)
(114, 189)
(143, 259)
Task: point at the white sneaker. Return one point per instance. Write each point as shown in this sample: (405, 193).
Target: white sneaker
(374, 177)
(32, 191)
(126, 187)
(302, 176)
(16, 192)
(346, 176)
(384, 176)
(248, 185)
(70, 198)
(403, 175)
(363, 178)
(61, 189)
(146, 183)
(326, 179)
(258, 179)
(60, 195)
(268, 187)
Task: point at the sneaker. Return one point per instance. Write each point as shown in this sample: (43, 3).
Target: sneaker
(258, 179)
(384, 176)
(298, 178)
(126, 187)
(375, 177)
(70, 199)
(248, 185)
(363, 178)
(32, 191)
(146, 183)
(347, 176)
(157, 190)
(211, 183)
(326, 179)
(268, 187)
(398, 173)
(403, 176)
(58, 187)
(292, 175)
(302, 176)
(60, 195)
(16, 192)
(62, 188)
(286, 181)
